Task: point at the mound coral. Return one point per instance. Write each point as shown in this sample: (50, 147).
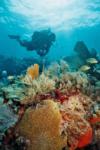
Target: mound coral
(42, 127)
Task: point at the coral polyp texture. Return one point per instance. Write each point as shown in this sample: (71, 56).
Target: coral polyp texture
(42, 127)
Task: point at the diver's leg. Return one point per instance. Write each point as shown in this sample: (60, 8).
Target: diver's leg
(21, 42)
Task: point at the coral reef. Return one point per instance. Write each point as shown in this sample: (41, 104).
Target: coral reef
(12, 91)
(57, 108)
(72, 124)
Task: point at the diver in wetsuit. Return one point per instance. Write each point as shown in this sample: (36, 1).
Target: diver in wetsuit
(41, 41)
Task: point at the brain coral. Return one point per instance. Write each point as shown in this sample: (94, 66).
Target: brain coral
(42, 127)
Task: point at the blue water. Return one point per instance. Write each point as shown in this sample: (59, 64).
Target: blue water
(70, 20)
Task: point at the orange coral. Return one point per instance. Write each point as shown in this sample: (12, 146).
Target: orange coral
(33, 71)
(86, 138)
(78, 130)
(42, 127)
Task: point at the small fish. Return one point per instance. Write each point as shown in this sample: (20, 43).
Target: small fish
(84, 68)
(92, 61)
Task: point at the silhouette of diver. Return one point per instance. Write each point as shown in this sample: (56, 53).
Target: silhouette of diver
(41, 41)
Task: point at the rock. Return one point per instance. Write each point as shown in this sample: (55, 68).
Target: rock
(82, 50)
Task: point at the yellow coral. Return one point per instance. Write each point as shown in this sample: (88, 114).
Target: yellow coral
(42, 127)
(33, 71)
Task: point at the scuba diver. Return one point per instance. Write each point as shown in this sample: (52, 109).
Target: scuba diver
(41, 41)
